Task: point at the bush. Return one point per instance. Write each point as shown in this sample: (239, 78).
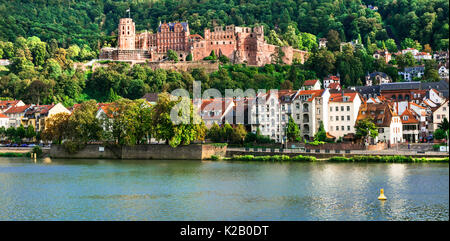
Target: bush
(301, 158)
(339, 159)
(215, 158)
(37, 150)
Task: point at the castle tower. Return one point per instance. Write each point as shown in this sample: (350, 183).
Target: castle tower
(127, 34)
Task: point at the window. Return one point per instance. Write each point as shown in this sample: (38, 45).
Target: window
(438, 117)
(337, 108)
(348, 128)
(331, 109)
(337, 128)
(348, 117)
(342, 128)
(405, 117)
(318, 110)
(331, 118)
(342, 118)
(348, 108)
(342, 108)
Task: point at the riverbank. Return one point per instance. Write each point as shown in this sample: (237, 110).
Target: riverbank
(301, 158)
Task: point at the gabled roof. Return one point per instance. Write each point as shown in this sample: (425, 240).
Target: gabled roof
(310, 82)
(381, 113)
(3, 116)
(334, 85)
(411, 118)
(17, 109)
(172, 25)
(313, 93)
(337, 97)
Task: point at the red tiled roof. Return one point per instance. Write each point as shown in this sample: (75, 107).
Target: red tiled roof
(411, 118)
(17, 109)
(310, 82)
(337, 97)
(3, 116)
(313, 93)
(334, 86)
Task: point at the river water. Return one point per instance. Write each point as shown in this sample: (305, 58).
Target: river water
(208, 190)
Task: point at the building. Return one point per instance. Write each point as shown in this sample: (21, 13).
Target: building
(385, 119)
(37, 115)
(443, 71)
(313, 84)
(323, 43)
(217, 111)
(270, 112)
(410, 50)
(343, 112)
(382, 54)
(439, 114)
(151, 98)
(4, 121)
(377, 78)
(331, 79)
(239, 44)
(441, 56)
(423, 56)
(6, 104)
(410, 126)
(412, 72)
(16, 114)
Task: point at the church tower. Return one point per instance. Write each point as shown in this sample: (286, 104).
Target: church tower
(127, 34)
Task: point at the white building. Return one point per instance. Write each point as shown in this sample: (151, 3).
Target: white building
(343, 112)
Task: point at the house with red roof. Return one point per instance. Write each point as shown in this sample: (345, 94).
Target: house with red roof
(343, 111)
(4, 120)
(313, 84)
(6, 104)
(37, 115)
(410, 126)
(16, 114)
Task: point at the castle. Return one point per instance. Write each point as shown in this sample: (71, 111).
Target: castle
(239, 44)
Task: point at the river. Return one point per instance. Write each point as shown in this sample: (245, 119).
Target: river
(208, 190)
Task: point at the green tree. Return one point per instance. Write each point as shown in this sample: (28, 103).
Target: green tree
(238, 134)
(334, 41)
(440, 134)
(30, 132)
(292, 131)
(365, 128)
(444, 124)
(172, 55)
(321, 134)
(215, 133)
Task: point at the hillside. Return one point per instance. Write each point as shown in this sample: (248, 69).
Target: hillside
(94, 22)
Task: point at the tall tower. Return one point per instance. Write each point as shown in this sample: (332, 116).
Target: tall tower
(127, 34)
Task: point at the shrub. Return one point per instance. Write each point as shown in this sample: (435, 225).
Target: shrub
(37, 150)
(301, 158)
(215, 158)
(339, 159)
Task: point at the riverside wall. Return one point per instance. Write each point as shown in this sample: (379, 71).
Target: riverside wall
(151, 151)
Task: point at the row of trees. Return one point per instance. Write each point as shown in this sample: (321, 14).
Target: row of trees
(124, 122)
(19, 134)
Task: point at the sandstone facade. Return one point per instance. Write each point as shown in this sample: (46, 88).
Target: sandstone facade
(239, 44)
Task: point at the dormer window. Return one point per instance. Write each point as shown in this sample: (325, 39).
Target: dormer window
(405, 118)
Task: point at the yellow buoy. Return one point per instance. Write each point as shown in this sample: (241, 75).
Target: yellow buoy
(382, 197)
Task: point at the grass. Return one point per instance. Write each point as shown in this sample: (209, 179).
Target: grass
(275, 158)
(300, 158)
(14, 154)
(386, 159)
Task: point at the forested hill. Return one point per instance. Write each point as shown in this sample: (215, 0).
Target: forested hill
(95, 21)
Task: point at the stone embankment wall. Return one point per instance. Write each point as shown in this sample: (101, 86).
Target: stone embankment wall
(152, 151)
(184, 66)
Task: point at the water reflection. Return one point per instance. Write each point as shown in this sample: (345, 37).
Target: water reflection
(194, 190)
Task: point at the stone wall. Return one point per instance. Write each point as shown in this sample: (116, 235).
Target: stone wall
(152, 151)
(185, 66)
